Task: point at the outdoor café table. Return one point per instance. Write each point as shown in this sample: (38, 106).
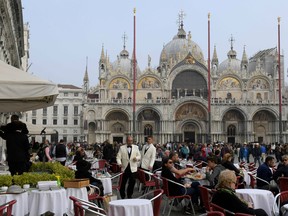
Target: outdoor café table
(262, 199)
(51, 200)
(130, 207)
(107, 184)
(20, 207)
(80, 193)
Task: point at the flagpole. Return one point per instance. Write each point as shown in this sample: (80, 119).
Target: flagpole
(134, 77)
(280, 89)
(209, 84)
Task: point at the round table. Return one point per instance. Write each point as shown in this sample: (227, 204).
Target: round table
(20, 207)
(80, 193)
(262, 199)
(107, 184)
(42, 201)
(130, 207)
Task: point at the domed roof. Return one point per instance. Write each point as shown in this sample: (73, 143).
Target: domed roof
(232, 63)
(180, 46)
(123, 63)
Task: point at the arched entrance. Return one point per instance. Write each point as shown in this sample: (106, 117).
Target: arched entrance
(234, 126)
(149, 124)
(117, 122)
(264, 123)
(191, 132)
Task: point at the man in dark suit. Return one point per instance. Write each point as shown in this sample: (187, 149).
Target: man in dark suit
(127, 158)
(17, 144)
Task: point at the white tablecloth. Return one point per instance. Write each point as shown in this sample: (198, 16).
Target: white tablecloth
(130, 207)
(43, 201)
(107, 184)
(80, 193)
(263, 199)
(20, 207)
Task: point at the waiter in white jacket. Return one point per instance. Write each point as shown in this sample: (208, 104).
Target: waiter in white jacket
(148, 155)
(127, 158)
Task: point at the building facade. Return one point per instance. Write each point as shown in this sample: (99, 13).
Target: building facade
(63, 120)
(171, 100)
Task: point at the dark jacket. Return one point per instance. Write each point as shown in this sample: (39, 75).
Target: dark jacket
(17, 144)
(229, 165)
(282, 170)
(83, 168)
(227, 199)
(60, 151)
(174, 189)
(265, 173)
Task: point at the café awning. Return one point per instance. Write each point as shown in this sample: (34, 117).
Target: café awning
(21, 91)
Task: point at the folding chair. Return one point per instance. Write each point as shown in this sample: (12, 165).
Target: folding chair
(95, 196)
(156, 199)
(6, 208)
(78, 211)
(283, 183)
(280, 203)
(146, 183)
(215, 213)
(216, 207)
(119, 182)
(252, 180)
(173, 198)
(206, 195)
(85, 207)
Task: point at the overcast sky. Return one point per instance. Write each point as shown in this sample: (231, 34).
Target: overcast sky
(64, 32)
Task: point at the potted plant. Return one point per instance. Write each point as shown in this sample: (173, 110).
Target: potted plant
(5, 180)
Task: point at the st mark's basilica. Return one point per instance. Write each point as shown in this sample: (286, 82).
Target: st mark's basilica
(172, 98)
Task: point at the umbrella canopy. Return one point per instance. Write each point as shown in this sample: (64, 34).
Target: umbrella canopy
(21, 91)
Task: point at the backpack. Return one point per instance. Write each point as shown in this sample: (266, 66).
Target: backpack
(41, 153)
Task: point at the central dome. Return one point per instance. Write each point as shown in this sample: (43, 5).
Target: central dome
(177, 49)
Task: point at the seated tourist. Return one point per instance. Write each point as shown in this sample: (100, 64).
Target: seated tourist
(79, 155)
(282, 168)
(226, 197)
(265, 175)
(227, 163)
(168, 171)
(213, 170)
(83, 168)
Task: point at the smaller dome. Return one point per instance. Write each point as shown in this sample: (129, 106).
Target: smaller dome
(230, 64)
(124, 53)
(123, 63)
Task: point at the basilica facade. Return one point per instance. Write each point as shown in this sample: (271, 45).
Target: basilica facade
(171, 100)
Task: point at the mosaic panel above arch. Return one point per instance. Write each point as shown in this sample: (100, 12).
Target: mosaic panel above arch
(149, 83)
(116, 116)
(264, 115)
(229, 83)
(190, 111)
(119, 83)
(233, 115)
(258, 84)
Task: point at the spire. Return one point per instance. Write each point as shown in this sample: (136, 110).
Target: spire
(215, 57)
(86, 78)
(244, 56)
(244, 61)
(102, 58)
(124, 53)
(163, 57)
(232, 53)
(181, 32)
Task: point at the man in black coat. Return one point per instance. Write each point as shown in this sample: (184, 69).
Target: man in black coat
(17, 144)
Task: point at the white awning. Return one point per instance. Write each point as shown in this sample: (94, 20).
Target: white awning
(21, 91)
